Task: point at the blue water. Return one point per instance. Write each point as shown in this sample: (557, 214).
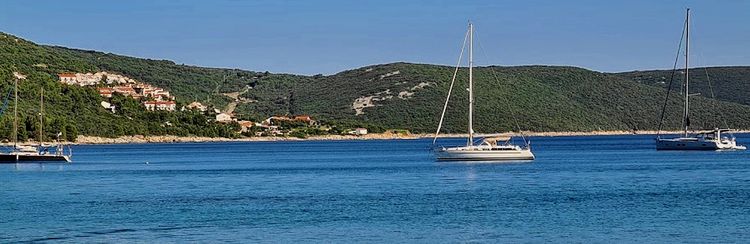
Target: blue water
(580, 189)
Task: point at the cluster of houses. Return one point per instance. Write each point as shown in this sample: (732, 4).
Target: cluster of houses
(155, 98)
(92, 79)
(269, 126)
(306, 119)
(226, 118)
(137, 90)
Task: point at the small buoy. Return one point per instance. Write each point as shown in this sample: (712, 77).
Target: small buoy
(146, 162)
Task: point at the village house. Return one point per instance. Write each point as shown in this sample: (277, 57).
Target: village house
(358, 132)
(105, 91)
(305, 118)
(245, 125)
(272, 130)
(146, 90)
(127, 91)
(108, 106)
(161, 94)
(197, 106)
(224, 118)
(68, 78)
(160, 105)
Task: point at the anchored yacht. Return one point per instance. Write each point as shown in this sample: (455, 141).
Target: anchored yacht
(716, 139)
(490, 148)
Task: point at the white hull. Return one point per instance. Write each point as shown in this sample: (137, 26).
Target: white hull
(479, 153)
(693, 143)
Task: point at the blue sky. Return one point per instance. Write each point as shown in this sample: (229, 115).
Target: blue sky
(310, 37)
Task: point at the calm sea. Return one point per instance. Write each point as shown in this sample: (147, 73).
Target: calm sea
(580, 189)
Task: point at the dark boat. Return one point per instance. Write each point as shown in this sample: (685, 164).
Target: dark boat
(28, 154)
(32, 157)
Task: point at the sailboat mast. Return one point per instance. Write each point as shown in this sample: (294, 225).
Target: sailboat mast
(471, 85)
(15, 114)
(687, 77)
(41, 118)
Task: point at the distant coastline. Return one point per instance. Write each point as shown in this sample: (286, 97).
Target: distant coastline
(373, 136)
(139, 139)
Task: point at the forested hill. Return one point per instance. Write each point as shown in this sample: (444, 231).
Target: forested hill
(75, 110)
(542, 98)
(729, 83)
(388, 96)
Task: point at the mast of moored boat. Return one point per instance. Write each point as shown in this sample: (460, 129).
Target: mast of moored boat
(15, 114)
(686, 120)
(41, 118)
(470, 141)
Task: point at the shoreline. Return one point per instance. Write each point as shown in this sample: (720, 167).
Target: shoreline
(89, 140)
(139, 139)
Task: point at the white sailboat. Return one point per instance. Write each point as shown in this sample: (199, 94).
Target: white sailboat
(707, 140)
(492, 148)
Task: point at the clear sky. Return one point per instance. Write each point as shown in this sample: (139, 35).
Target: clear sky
(310, 37)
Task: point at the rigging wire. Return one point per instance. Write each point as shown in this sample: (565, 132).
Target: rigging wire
(671, 79)
(5, 102)
(450, 90)
(720, 112)
(494, 74)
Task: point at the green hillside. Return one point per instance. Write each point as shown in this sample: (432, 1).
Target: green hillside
(729, 83)
(75, 110)
(403, 95)
(543, 98)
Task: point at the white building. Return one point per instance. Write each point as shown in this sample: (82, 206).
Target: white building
(198, 106)
(223, 118)
(109, 106)
(160, 105)
(358, 131)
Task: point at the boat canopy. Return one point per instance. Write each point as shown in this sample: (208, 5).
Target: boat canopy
(714, 131)
(494, 140)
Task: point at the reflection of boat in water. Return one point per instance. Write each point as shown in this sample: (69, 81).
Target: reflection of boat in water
(491, 148)
(26, 153)
(707, 140)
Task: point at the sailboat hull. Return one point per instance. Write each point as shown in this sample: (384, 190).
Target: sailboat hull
(27, 158)
(479, 154)
(697, 144)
